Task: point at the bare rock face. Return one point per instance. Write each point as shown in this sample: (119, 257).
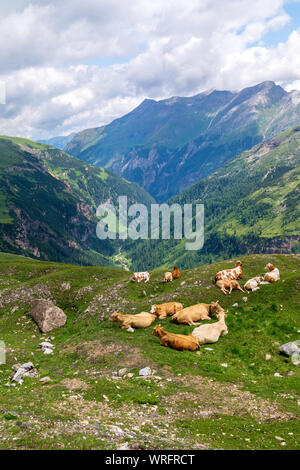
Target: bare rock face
(47, 315)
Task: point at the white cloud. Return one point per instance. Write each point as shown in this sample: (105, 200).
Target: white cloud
(51, 55)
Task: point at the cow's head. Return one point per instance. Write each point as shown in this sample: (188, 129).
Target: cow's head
(270, 266)
(115, 316)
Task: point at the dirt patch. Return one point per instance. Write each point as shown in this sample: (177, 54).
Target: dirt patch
(74, 384)
(96, 351)
(219, 398)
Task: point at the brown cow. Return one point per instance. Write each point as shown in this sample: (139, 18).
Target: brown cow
(179, 342)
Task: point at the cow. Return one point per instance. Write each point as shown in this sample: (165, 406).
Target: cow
(230, 274)
(179, 342)
(168, 277)
(210, 333)
(140, 320)
(273, 275)
(253, 284)
(141, 276)
(176, 273)
(190, 315)
(231, 285)
(163, 310)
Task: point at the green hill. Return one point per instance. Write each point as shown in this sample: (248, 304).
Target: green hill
(48, 203)
(252, 205)
(167, 145)
(226, 397)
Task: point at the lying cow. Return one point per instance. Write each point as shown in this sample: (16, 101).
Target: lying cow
(140, 320)
(230, 274)
(163, 310)
(210, 333)
(253, 284)
(197, 312)
(176, 273)
(179, 342)
(223, 285)
(168, 277)
(273, 275)
(142, 276)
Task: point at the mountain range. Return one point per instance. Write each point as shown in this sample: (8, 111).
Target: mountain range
(167, 145)
(236, 146)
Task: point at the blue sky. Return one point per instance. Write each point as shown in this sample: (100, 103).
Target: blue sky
(271, 39)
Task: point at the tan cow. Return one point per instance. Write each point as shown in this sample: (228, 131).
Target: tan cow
(197, 312)
(168, 277)
(230, 274)
(273, 275)
(140, 320)
(163, 310)
(223, 285)
(178, 342)
(210, 333)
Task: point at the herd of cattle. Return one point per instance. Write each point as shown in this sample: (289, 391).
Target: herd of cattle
(203, 334)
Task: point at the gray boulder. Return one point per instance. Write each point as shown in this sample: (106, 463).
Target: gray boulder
(47, 315)
(288, 349)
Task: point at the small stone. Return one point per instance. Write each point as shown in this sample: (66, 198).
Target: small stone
(245, 299)
(268, 357)
(224, 364)
(122, 372)
(277, 374)
(48, 351)
(130, 375)
(145, 372)
(116, 430)
(290, 348)
(208, 349)
(130, 330)
(45, 380)
(279, 438)
(124, 446)
(235, 305)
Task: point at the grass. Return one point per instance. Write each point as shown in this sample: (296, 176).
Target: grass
(246, 405)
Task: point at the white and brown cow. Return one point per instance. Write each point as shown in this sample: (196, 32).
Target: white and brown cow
(253, 284)
(273, 275)
(141, 276)
(230, 274)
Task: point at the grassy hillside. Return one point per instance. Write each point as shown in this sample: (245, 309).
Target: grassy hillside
(252, 205)
(48, 203)
(167, 145)
(192, 401)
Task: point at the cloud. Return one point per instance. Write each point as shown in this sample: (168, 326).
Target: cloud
(53, 56)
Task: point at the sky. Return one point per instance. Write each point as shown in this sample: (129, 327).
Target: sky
(71, 65)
